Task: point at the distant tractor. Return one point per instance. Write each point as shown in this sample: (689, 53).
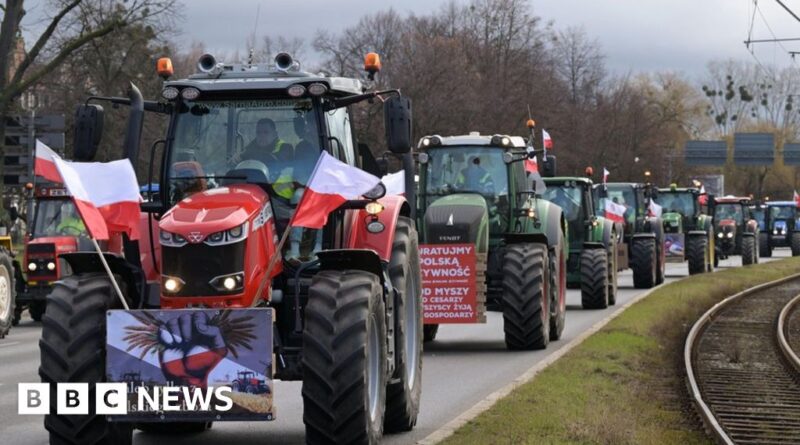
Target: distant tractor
(473, 190)
(643, 232)
(596, 249)
(9, 282)
(54, 229)
(246, 381)
(737, 232)
(781, 228)
(688, 229)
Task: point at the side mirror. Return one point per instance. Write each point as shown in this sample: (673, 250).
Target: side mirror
(88, 131)
(536, 184)
(397, 119)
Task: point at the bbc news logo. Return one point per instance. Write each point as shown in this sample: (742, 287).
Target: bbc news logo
(112, 399)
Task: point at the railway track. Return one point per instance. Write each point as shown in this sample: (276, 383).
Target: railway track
(743, 375)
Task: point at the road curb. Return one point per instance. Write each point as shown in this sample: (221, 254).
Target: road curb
(450, 427)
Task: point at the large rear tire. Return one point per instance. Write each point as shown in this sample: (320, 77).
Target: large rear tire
(612, 276)
(8, 294)
(403, 393)
(594, 279)
(344, 358)
(764, 248)
(73, 349)
(526, 312)
(795, 244)
(749, 253)
(696, 251)
(644, 262)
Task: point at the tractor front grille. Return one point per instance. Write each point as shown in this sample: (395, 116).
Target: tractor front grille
(197, 264)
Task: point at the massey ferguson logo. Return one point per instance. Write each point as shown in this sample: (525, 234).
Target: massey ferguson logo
(195, 237)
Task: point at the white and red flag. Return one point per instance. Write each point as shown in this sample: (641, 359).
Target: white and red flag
(547, 140)
(606, 173)
(654, 209)
(532, 165)
(44, 164)
(796, 197)
(395, 183)
(106, 195)
(331, 184)
(615, 212)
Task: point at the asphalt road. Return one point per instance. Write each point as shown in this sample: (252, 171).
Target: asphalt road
(465, 364)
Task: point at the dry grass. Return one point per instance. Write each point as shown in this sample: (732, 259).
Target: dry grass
(625, 384)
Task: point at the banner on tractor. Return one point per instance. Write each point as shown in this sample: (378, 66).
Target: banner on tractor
(449, 291)
(674, 246)
(192, 364)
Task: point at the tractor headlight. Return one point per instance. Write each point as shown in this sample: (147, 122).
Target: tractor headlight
(719, 235)
(373, 208)
(531, 213)
(51, 266)
(775, 231)
(32, 266)
(228, 283)
(171, 239)
(172, 285)
(229, 236)
(730, 234)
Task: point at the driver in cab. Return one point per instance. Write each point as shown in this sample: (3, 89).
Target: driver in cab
(475, 178)
(70, 223)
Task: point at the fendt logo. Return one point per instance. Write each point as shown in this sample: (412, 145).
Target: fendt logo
(112, 399)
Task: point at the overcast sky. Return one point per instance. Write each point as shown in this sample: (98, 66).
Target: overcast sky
(635, 35)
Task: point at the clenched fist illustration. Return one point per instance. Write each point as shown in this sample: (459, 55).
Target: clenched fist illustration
(191, 348)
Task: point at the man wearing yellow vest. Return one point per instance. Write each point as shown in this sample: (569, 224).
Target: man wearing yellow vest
(269, 149)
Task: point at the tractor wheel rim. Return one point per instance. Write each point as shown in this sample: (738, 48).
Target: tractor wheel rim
(411, 331)
(5, 294)
(373, 368)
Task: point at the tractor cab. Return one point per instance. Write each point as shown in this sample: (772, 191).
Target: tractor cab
(781, 227)
(735, 228)
(574, 196)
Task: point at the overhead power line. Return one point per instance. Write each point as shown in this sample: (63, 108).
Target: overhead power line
(788, 10)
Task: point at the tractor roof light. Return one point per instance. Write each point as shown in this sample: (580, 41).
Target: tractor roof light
(501, 140)
(530, 123)
(317, 89)
(190, 93)
(170, 93)
(423, 158)
(164, 68)
(372, 64)
(296, 90)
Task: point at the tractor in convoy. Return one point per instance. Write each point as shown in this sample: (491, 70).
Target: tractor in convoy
(643, 231)
(55, 228)
(246, 381)
(9, 283)
(345, 314)
(781, 228)
(737, 232)
(479, 208)
(596, 248)
(688, 228)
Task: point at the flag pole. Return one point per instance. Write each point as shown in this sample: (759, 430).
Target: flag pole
(273, 261)
(110, 275)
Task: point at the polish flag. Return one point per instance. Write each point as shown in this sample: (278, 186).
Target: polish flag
(615, 212)
(532, 165)
(395, 183)
(796, 197)
(44, 164)
(606, 173)
(106, 195)
(331, 184)
(654, 209)
(548, 141)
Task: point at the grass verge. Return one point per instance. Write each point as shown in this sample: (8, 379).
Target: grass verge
(625, 384)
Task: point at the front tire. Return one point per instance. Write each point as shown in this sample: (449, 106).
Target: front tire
(73, 349)
(748, 250)
(558, 289)
(594, 279)
(344, 358)
(795, 244)
(8, 294)
(644, 262)
(764, 248)
(696, 251)
(403, 394)
(526, 312)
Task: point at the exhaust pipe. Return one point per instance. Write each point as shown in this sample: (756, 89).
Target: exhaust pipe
(206, 63)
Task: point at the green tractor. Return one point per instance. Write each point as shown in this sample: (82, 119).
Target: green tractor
(596, 249)
(475, 196)
(642, 228)
(689, 230)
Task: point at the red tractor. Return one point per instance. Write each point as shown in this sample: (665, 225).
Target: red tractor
(345, 300)
(55, 228)
(737, 231)
(246, 381)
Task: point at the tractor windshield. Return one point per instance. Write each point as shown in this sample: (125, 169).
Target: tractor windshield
(57, 217)
(729, 211)
(622, 195)
(474, 169)
(684, 203)
(568, 197)
(219, 142)
(782, 212)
